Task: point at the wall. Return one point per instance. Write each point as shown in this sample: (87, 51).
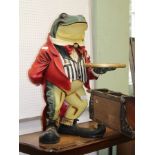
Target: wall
(111, 41)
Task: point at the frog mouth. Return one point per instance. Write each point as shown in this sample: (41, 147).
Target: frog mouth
(72, 32)
(70, 23)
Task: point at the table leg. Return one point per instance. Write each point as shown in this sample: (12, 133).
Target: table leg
(110, 150)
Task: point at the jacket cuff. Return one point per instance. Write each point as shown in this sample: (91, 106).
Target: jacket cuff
(95, 74)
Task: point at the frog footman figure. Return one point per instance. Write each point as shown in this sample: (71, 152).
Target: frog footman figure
(59, 67)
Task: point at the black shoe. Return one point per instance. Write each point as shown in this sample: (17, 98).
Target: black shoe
(49, 136)
(82, 132)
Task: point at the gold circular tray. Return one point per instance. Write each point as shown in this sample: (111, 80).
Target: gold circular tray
(110, 65)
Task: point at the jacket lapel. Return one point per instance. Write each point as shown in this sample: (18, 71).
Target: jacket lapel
(58, 64)
(56, 56)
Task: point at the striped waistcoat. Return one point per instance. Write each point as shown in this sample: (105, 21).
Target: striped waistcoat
(74, 70)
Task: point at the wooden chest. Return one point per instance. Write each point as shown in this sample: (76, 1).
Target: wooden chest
(113, 109)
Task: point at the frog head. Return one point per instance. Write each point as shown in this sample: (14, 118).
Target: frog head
(69, 28)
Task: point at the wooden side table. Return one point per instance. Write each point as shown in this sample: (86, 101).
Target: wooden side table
(70, 145)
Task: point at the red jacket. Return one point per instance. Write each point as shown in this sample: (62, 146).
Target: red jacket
(48, 66)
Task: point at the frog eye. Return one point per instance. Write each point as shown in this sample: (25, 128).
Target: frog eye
(63, 15)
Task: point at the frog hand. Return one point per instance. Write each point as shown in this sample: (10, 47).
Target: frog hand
(103, 70)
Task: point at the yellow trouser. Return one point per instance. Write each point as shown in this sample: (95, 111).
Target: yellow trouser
(76, 99)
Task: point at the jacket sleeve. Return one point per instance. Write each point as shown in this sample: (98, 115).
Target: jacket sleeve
(38, 68)
(91, 75)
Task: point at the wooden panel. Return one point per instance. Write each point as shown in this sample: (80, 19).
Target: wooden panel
(126, 148)
(130, 112)
(107, 111)
(132, 60)
(113, 109)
